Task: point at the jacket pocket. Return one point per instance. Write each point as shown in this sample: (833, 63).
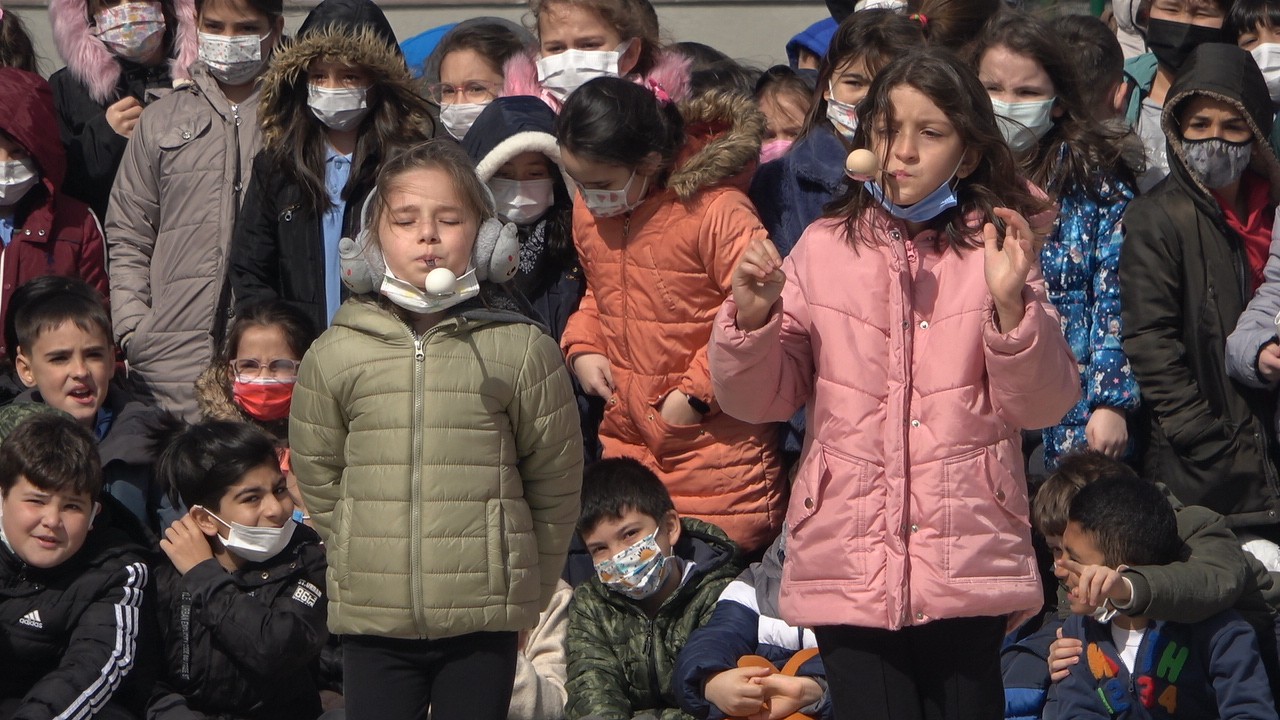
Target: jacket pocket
(338, 562)
(986, 530)
(185, 132)
(834, 546)
(509, 526)
(668, 298)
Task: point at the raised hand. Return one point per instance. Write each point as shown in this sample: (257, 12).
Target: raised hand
(757, 283)
(1009, 261)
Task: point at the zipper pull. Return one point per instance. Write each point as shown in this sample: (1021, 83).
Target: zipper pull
(418, 354)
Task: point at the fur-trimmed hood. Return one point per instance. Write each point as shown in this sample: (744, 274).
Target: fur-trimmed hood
(95, 67)
(508, 127)
(723, 133)
(670, 72)
(1229, 74)
(284, 86)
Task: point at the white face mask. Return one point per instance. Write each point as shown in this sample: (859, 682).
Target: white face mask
(611, 203)
(843, 115)
(16, 178)
(459, 117)
(232, 59)
(338, 108)
(1267, 55)
(563, 73)
(1023, 123)
(419, 301)
(255, 544)
(522, 201)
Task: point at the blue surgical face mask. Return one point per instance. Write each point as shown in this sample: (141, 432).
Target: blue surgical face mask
(928, 208)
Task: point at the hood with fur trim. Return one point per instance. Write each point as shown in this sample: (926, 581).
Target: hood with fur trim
(723, 133)
(670, 72)
(284, 86)
(1229, 74)
(508, 127)
(95, 67)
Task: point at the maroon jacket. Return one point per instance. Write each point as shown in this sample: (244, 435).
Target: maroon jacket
(53, 234)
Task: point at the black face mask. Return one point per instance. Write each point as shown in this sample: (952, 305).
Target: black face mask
(1172, 42)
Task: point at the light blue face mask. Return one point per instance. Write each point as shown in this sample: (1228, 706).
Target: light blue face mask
(926, 209)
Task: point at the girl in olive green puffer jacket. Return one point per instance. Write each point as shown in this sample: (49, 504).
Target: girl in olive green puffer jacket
(436, 441)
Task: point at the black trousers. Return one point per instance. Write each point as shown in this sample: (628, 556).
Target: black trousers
(944, 670)
(458, 678)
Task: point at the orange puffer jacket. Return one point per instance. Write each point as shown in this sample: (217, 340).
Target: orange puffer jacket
(655, 279)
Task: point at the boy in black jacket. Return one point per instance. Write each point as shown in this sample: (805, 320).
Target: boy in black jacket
(70, 596)
(241, 601)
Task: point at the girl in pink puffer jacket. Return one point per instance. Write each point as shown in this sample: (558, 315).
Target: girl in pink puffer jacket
(920, 340)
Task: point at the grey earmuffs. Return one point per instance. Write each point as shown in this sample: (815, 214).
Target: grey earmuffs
(495, 256)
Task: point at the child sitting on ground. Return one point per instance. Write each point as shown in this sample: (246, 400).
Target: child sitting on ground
(1146, 668)
(72, 598)
(64, 356)
(241, 602)
(658, 579)
(746, 660)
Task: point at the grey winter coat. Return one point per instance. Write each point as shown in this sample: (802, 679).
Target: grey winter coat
(172, 211)
(1256, 327)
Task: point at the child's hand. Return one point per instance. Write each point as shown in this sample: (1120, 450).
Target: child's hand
(1008, 262)
(1063, 653)
(1096, 584)
(1107, 432)
(592, 370)
(736, 692)
(757, 283)
(185, 544)
(787, 694)
(1269, 362)
(123, 114)
(676, 410)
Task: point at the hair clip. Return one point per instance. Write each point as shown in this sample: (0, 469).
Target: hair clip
(658, 92)
(920, 17)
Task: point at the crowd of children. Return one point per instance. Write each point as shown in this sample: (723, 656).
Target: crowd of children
(569, 373)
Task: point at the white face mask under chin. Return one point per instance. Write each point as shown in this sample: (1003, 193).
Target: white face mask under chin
(418, 301)
(255, 544)
(17, 177)
(565, 72)
(339, 109)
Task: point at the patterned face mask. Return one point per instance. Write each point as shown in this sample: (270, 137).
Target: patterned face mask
(611, 203)
(637, 571)
(232, 59)
(132, 31)
(1218, 162)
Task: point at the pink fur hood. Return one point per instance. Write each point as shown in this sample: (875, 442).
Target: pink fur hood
(92, 63)
(670, 71)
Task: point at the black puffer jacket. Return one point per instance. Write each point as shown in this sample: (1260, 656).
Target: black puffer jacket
(244, 644)
(69, 635)
(1184, 283)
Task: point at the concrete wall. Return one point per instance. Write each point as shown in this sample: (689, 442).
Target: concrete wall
(754, 32)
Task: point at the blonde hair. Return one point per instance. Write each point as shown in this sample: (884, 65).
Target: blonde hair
(444, 155)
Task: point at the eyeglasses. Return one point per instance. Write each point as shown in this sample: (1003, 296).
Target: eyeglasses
(472, 91)
(279, 370)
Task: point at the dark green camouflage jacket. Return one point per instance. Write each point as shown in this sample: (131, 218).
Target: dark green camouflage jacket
(621, 662)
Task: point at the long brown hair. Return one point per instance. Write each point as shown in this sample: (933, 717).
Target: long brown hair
(954, 88)
(1077, 151)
